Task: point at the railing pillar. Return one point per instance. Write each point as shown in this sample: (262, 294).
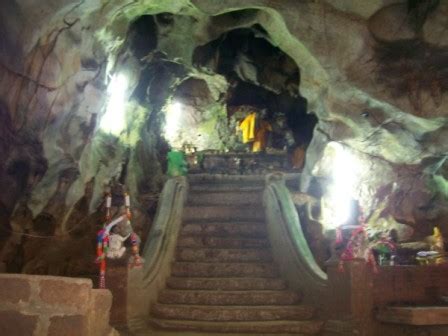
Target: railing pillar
(351, 294)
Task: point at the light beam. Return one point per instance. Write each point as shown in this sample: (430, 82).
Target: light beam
(113, 120)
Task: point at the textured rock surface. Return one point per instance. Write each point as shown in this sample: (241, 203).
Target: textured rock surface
(435, 27)
(382, 92)
(43, 305)
(398, 27)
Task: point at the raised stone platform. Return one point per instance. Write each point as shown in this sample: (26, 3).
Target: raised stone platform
(418, 316)
(235, 163)
(54, 306)
(297, 328)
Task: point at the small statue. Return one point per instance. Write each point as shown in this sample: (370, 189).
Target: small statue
(110, 245)
(135, 261)
(436, 241)
(116, 249)
(436, 253)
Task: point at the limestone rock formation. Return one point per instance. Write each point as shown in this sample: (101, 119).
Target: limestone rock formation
(374, 75)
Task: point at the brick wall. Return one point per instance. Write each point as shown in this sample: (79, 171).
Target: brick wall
(45, 305)
(356, 293)
(410, 284)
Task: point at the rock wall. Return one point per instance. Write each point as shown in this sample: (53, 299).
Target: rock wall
(44, 305)
(377, 87)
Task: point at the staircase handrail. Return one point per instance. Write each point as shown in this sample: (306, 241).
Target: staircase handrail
(158, 252)
(169, 210)
(286, 233)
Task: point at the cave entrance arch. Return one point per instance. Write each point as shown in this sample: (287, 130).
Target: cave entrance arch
(256, 75)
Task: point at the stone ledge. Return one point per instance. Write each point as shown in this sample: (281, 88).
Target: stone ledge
(51, 293)
(65, 293)
(49, 305)
(14, 290)
(31, 277)
(431, 315)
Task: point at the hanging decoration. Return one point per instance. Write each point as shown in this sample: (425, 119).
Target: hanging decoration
(110, 245)
(359, 246)
(136, 260)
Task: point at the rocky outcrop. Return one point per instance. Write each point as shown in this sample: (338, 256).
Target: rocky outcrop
(373, 75)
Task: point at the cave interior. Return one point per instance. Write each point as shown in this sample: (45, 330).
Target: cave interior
(349, 102)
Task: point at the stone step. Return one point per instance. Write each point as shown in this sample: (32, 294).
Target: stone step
(220, 242)
(414, 315)
(223, 255)
(216, 179)
(220, 229)
(238, 197)
(223, 213)
(216, 270)
(297, 328)
(207, 187)
(232, 313)
(229, 298)
(230, 284)
(223, 182)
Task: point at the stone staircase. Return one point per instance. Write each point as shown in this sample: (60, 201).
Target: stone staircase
(224, 279)
(238, 163)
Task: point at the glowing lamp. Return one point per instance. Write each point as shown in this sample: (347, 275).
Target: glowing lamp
(113, 120)
(172, 120)
(338, 201)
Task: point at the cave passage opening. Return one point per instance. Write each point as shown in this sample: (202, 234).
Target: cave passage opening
(207, 97)
(263, 78)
